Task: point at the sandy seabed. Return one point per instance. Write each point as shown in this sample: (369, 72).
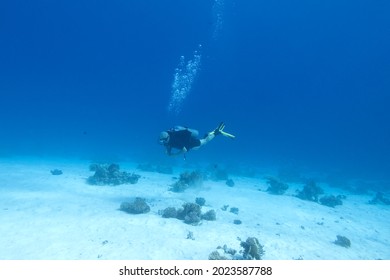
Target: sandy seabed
(48, 217)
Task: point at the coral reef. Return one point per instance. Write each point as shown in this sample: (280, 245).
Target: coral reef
(331, 201)
(225, 207)
(169, 212)
(110, 175)
(190, 235)
(310, 191)
(253, 250)
(215, 255)
(276, 186)
(230, 183)
(186, 180)
(234, 210)
(228, 250)
(224, 253)
(56, 172)
(192, 218)
(209, 216)
(380, 199)
(190, 213)
(138, 206)
(200, 201)
(342, 241)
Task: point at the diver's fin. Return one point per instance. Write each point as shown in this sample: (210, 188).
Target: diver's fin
(221, 126)
(227, 134)
(219, 130)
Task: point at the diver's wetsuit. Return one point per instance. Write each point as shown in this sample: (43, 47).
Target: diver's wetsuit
(180, 139)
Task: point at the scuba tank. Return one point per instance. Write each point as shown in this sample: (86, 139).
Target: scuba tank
(194, 132)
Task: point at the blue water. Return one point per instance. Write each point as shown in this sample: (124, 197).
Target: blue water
(298, 82)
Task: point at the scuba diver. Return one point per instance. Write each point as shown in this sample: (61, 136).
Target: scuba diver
(183, 139)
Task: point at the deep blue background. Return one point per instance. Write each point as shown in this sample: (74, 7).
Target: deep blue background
(298, 82)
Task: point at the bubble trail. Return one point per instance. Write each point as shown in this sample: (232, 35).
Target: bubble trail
(218, 11)
(183, 79)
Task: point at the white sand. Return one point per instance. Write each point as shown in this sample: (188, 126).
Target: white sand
(43, 216)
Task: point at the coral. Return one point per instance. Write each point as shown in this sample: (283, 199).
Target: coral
(190, 235)
(342, 241)
(228, 250)
(179, 186)
(380, 199)
(200, 201)
(237, 222)
(209, 215)
(330, 201)
(190, 213)
(113, 168)
(234, 210)
(310, 191)
(230, 183)
(192, 218)
(215, 255)
(276, 186)
(186, 180)
(253, 250)
(110, 175)
(138, 206)
(225, 207)
(56, 172)
(224, 253)
(169, 212)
